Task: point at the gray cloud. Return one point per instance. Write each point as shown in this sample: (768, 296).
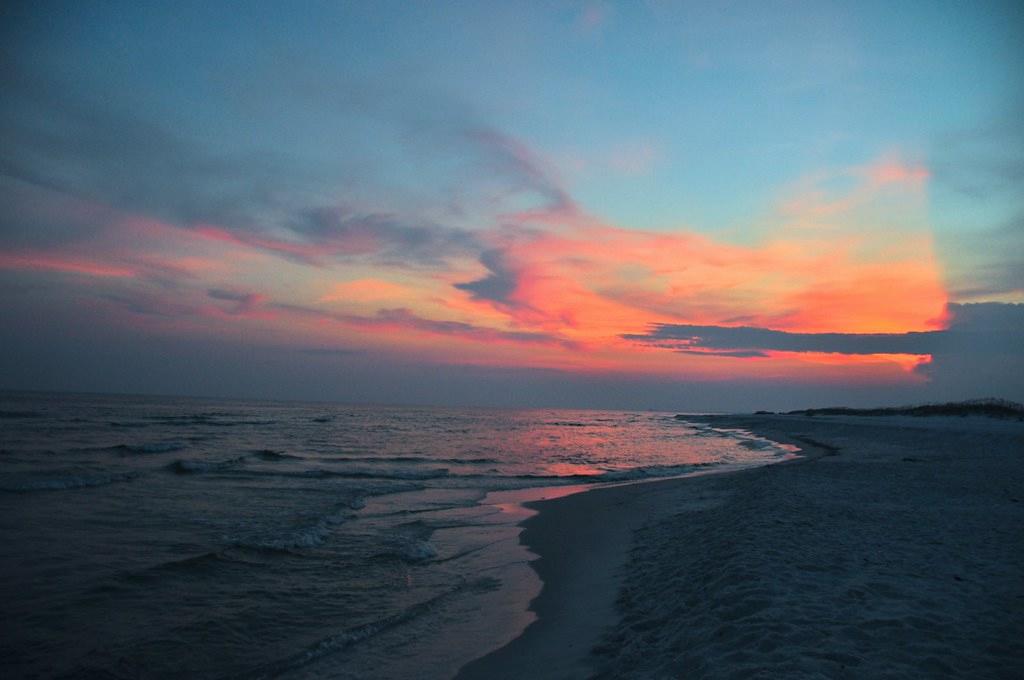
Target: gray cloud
(981, 353)
(981, 327)
(978, 355)
(511, 159)
(498, 285)
(69, 144)
(338, 352)
(231, 296)
(405, 319)
(735, 354)
(149, 304)
(740, 339)
(244, 302)
(346, 231)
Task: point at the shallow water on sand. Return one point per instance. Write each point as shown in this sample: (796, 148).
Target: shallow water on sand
(165, 537)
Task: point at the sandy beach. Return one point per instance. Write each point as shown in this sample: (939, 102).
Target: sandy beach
(894, 549)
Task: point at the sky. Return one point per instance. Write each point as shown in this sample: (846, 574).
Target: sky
(668, 205)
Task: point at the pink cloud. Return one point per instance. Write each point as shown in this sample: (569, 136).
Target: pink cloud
(367, 290)
(60, 263)
(578, 276)
(553, 283)
(894, 171)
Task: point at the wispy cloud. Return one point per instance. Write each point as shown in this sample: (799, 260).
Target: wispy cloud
(58, 141)
(58, 263)
(759, 340)
(983, 336)
(245, 303)
(404, 319)
(367, 290)
(523, 168)
(400, 319)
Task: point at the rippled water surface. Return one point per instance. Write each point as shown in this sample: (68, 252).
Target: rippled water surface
(162, 537)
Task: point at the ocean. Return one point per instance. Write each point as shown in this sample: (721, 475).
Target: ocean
(172, 537)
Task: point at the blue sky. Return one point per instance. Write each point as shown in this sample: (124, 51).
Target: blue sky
(727, 97)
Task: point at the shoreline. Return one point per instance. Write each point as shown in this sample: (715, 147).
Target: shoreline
(603, 554)
(589, 528)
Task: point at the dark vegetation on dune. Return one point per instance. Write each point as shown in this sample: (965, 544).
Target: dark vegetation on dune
(993, 408)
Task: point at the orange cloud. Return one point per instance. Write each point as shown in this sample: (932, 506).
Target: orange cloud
(591, 282)
(367, 290)
(856, 261)
(555, 287)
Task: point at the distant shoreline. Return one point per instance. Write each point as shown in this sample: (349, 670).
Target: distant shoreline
(993, 408)
(707, 576)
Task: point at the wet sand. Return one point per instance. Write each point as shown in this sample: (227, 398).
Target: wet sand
(895, 550)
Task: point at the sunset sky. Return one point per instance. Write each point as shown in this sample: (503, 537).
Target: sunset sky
(673, 205)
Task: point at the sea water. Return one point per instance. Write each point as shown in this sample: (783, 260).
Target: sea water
(170, 537)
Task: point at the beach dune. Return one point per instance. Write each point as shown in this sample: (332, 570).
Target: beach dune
(894, 550)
